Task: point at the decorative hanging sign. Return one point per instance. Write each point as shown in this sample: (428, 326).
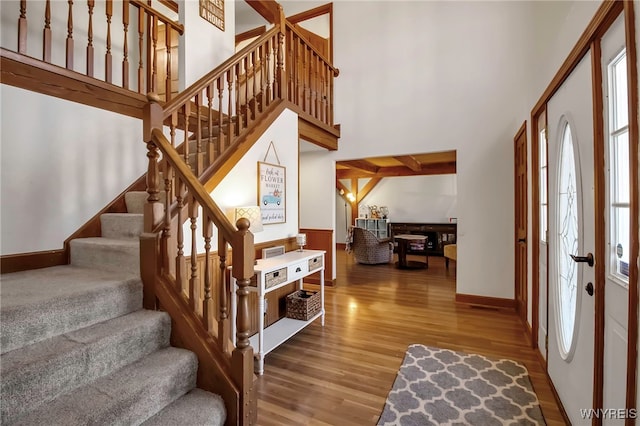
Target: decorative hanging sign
(272, 183)
(213, 11)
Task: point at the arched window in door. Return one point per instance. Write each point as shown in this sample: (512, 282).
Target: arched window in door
(568, 229)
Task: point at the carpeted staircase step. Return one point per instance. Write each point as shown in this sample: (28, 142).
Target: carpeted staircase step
(121, 225)
(42, 303)
(135, 200)
(128, 396)
(40, 372)
(108, 254)
(197, 407)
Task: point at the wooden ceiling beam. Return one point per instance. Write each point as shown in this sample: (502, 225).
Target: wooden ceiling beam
(361, 165)
(396, 171)
(367, 189)
(268, 9)
(409, 161)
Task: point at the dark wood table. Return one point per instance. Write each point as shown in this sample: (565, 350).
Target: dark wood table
(403, 244)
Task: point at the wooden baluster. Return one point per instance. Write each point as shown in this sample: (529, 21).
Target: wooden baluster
(152, 184)
(199, 153)
(267, 70)
(167, 53)
(181, 273)
(152, 57)
(247, 99)
(230, 111)
(46, 33)
(256, 98)
(90, 5)
(221, 135)
(281, 91)
(69, 51)
(140, 50)
(299, 70)
(292, 65)
(238, 88)
(224, 329)
(262, 73)
(194, 282)
(22, 28)
(316, 85)
(207, 303)
(108, 60)
(187, 114)
(125, 48)
(324, 93)
(172, 128)
(166, 230)
(210, 144)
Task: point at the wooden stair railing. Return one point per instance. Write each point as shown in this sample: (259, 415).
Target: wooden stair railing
(129, 31)
(172, 279)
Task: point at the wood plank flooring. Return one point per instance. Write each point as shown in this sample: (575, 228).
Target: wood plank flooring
(340, 374)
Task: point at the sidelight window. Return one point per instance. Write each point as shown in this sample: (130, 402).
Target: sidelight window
(619, 176)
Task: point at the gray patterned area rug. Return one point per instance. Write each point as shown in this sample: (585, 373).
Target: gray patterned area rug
(441, 387)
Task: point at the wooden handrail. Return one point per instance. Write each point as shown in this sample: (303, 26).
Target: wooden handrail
(292, 28)
(219, 71)
(151, 11)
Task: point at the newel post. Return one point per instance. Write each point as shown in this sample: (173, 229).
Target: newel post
(152, 119)
(242, 357)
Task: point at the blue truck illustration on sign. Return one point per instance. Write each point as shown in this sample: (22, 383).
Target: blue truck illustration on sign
(273, 198)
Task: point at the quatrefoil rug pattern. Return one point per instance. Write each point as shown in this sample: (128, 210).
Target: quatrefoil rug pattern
(441, 387)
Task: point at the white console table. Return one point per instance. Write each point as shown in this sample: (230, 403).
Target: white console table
(271, 274)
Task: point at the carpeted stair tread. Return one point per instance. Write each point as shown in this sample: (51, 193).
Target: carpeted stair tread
(41, 303)
(197, 407)
(128, 396)
(121, 225)
(40, 372)
(108, 254)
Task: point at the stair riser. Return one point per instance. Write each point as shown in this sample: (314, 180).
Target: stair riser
(29, 324)
(105, 256)
(122, 226)
(126, 397)
(73, 363)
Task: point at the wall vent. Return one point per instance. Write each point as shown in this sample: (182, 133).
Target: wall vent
(272, 251)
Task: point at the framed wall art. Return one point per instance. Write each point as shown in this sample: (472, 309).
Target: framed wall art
(272, 193)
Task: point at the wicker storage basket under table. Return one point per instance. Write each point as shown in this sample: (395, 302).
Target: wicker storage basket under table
(303, 304)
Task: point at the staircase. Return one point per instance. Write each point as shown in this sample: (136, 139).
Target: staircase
(77, 347)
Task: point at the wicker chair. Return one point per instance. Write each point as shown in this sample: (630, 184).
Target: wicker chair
(370, 250)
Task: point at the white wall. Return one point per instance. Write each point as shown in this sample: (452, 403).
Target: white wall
(206, 45)
(61, 164)
(432, 76)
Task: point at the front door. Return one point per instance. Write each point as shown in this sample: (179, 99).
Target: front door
(571, 239)
(520, 142)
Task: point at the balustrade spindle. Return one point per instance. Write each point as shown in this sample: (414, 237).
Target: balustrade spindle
(166, 230)
(316, 85)
(167, 52)
(181, 274)
(221, 136)
(230, 111)
(292, 65)
(172, 128)
(187, 114)
(152, 184)
(268, 70)
(152, 57)
(199, 154)
(108, 60)
(210, 145)
(69, 52)
(279, 67)
(90, 5)
(261, 83)
(46, 33)
(245, 62)
(255, 73)
(22, 28)
(223, 294)
(140, 50)
(194, 281)
(207, 303)
(125, 47)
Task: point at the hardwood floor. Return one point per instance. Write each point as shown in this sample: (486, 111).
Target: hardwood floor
(340, 374)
